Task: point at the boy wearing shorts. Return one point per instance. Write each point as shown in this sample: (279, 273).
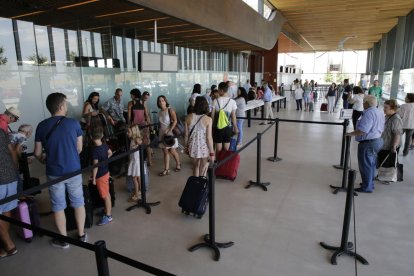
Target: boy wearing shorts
(100, 174)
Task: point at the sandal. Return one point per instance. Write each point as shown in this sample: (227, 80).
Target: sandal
(8, 253)
(178, 168)
(133, 198)
(164, 173)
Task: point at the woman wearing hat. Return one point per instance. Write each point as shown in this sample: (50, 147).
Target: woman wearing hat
(168, 119)
(11, 115)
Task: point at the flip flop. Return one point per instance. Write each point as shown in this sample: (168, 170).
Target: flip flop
(8, 253)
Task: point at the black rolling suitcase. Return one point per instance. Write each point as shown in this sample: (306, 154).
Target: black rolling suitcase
(194, 198)
(70, 212)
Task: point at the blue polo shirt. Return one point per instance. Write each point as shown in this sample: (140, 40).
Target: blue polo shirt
(61, 148)
(372, 123)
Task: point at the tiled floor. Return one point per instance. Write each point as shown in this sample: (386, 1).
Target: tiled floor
(275, 232)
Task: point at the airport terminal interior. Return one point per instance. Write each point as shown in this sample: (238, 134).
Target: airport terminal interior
(165, 47)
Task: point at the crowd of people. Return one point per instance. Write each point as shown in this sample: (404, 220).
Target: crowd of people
(209, 126)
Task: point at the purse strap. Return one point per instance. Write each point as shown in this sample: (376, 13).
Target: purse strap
(192, 129)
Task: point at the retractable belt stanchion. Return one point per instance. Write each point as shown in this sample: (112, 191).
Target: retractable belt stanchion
(341, 162)
(274, 158)
(101, 258)
(143, 201)
(342, 188)
(257, 182)
(346, 247)
(210, 238)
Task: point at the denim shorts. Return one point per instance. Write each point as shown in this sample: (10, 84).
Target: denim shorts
(7, 190)
(57, 192)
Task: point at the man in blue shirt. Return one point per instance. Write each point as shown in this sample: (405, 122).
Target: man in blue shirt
(368, 133)
(61, 138)
(267, 98)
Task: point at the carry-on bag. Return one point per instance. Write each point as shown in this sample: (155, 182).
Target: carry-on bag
(229, 169)
(70, 212)
(388, 174)
(324, 107)
(194, 198)
(27, 212)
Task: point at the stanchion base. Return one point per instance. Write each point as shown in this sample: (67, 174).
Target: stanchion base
(339, 167)
(213, 245)
(274, 159)
(339, 251)
(261, 184)
(340, 189)
(146, 206)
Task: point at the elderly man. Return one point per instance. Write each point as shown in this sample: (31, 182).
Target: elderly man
(368, 133)
(11, 115)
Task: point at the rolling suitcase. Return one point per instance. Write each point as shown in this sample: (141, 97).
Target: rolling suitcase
(194, 198)
(324, 107)
(27, 212)
(70, 212)
(229, 169)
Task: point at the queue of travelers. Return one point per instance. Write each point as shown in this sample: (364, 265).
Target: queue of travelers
(59, 140)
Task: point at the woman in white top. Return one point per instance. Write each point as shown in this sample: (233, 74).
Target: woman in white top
(298, 95)
(357, 100)
(198, 139)
(167, 119)
(406, 113)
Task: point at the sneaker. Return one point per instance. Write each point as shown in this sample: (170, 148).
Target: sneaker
(83, 238)
(105, 220)
(59, 244)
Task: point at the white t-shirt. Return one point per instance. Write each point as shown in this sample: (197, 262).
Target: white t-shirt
(225, 104)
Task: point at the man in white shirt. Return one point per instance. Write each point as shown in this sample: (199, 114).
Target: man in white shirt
(247, 86)
(222, 137)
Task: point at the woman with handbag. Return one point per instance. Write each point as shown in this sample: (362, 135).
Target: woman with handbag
(168, 120)
(391, 136)
(198, 137)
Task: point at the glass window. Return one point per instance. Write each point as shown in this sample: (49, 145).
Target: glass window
(86, 44)
(128, 47)
(42, 43)
(27, 42)
(73, 44)
(59, 45)
(119, 53)
(254, 4)
(98, 44)
(7, 47)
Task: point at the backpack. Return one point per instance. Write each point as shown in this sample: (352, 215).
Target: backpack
(223, 120)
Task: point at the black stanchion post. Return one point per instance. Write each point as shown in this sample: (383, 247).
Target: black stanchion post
(258, 167)
(342, 188)
(341, 162)
(249, 115)
(210, 238)
(143, 201)
(101, 258)
(275, 158)
(346, 247)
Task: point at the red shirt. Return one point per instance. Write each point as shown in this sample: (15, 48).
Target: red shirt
(4, 122)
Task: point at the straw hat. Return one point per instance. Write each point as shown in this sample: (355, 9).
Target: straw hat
(13, 111)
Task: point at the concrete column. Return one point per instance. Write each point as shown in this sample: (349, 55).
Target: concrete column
(381, 66)
(398, 55)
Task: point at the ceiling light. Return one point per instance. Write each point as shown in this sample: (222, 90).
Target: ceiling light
(26, 14)
(147, 20)
(186, 31)
(170, 26)
(116, 13)
(77, 4)
(200, 35)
